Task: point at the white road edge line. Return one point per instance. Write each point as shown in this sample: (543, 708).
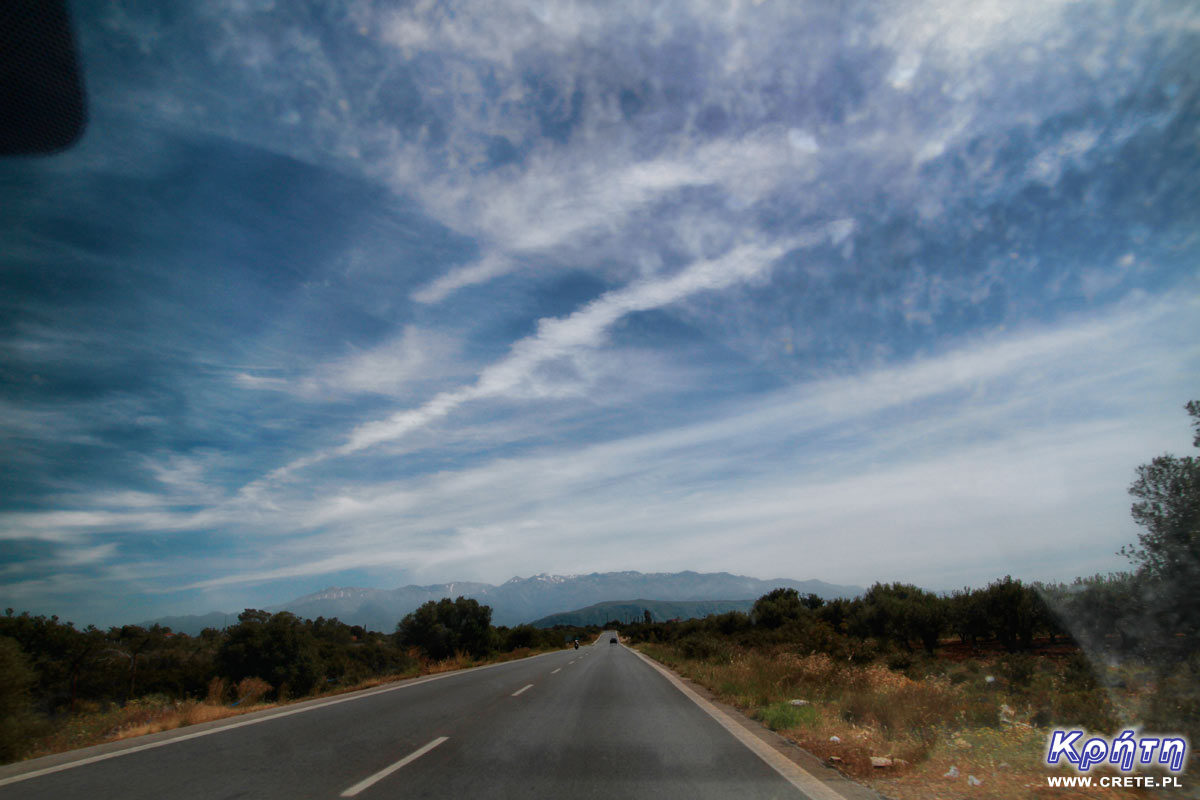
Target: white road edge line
(792, 772)
(522, 689)
(383, 773)
(267, 716)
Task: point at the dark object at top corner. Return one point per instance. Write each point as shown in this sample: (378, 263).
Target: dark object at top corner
(42, 104)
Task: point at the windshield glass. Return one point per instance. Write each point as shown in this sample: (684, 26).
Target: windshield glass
(387, 294)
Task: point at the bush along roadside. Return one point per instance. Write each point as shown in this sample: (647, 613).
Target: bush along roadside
(62, 687)
(965, 721)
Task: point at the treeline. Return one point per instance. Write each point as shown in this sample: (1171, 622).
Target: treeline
(1128, 627)
(440, 629)
(50, 668)
(891, 618)
(69, 665)
(900, 618)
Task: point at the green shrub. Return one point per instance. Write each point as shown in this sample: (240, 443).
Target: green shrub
(1079, 673)
(17, 722)
(899, 660)
(919, 709)
(781, 716)
(852, 650)
(1089, 709)
(1018, 670)
(703, 647)
(1175, 706)
(980, 711)
(959, 675)
(521, 636)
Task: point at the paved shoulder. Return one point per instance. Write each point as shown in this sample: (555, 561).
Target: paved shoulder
(827, 785)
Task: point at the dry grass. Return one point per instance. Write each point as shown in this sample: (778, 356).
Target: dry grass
(178, 716)
(218, 691)
(251, 690)
(92, 725)
(456, 662)
(926, 725)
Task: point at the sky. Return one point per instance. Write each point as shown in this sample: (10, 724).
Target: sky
(371, 294)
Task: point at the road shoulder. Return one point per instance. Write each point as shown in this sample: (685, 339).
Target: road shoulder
(806, 771)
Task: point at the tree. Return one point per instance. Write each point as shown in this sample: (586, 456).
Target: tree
(902, 612)
(1168, 509)
(777, 607)
(520, 636)
(16, 680)
(968, 615)
(835, 613)
(1167, 555)
(812, 601)
(132, 641)
(279, 649)
(441, 628)
(1014, 612)
(1102, 612)
(66, 661)
(730, 622)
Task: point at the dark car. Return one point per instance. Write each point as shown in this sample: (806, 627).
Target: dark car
(613, 640)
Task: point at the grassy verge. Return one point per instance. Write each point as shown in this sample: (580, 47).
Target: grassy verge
(942, 729)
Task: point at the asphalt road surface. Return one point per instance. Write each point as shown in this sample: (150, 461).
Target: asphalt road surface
(599, 722)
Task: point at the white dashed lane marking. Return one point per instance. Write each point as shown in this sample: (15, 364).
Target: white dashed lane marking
(383, 773)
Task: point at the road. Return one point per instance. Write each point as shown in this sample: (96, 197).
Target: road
(598, 722)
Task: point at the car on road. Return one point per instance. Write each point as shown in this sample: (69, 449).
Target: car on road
(612, 640)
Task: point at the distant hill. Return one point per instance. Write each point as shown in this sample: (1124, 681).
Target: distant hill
(634, 611)
(522, 600)
(193, 624)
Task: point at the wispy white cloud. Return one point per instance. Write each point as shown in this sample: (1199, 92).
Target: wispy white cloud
(961, 31)
(83, 556)
(566, 338)
(487, 268)
(1011, 454)
(395, 368)
(563, 197)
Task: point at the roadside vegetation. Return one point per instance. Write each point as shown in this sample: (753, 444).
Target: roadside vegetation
(913, 721)
(926, 695)
(62, 687)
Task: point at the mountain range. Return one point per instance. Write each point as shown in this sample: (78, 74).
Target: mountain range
(635, 610)
(522, 600)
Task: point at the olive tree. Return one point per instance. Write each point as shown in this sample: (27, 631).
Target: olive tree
(1167, 555)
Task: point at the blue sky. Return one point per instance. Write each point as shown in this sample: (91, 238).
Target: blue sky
(375, 294)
